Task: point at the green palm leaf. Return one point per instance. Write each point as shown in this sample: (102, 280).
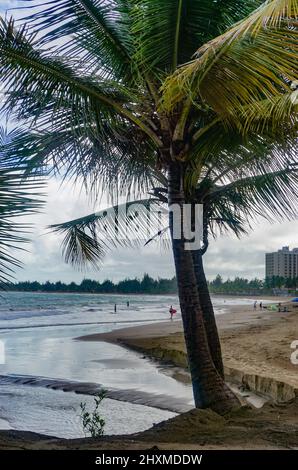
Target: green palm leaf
(96, 30)
(168, 32)
(88, 239)
(248, 69)
(273, 196)
(223, 154)
(44, 88)
(101, 166)
(18, 197)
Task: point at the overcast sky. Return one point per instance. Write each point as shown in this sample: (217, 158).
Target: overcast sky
(228, 256)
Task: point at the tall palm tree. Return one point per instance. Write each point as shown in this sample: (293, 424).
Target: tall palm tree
(139, 92)
(16, 200)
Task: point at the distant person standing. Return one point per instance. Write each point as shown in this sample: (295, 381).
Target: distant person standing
(172, 312)
(255, 305)
(127, 303)
(115, 308)
(261, 305)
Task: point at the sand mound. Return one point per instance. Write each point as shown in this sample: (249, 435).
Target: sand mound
(272, 424)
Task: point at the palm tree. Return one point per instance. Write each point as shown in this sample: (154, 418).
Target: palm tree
(16, 200)
(137, 93)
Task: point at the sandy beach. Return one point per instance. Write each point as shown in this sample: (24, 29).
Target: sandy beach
(256, 349)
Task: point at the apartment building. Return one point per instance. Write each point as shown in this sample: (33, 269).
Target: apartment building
(283, 263)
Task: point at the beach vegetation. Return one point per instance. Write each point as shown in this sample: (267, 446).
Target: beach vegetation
(92, 421)
(126, 286)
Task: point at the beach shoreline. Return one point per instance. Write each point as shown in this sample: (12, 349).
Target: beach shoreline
(256, 346)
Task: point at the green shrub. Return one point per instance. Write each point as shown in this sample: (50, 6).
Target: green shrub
(93, 423)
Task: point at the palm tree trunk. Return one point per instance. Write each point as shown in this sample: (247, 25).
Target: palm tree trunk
(208, 312)
(209, 389)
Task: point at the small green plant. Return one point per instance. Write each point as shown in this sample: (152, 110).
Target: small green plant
(93, 423)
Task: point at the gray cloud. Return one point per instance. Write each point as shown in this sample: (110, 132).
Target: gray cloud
(246, 257)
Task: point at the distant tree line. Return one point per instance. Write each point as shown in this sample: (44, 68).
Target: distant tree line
(280, 282)
(239, 285)
(148, 285)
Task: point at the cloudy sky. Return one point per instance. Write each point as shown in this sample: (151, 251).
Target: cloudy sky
(228, 256)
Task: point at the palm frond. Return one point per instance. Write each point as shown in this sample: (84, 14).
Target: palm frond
(270, 195)
(248, 69)
(110, 166)
(167, 33)
(18, 197)
(253, 157)
(225, 218)
(44, 89)
(95, 30)
(245, 179)
(89, 238)
(224, 156)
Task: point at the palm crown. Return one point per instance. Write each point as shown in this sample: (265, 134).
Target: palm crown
(117, 88)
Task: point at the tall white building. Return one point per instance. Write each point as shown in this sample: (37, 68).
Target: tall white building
(283, 263)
